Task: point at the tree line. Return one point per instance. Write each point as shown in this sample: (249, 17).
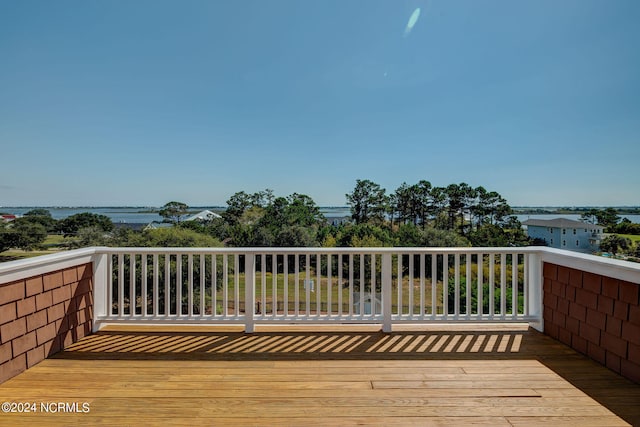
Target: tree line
(419, 214)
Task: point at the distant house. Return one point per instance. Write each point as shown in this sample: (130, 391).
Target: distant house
(205, 215)
(369, 302)
(154, 225)
(337, 221)
(8, 218)
(562, 233)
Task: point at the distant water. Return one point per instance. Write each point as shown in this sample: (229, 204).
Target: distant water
(142, 215)
(521, 218)
(145, 215)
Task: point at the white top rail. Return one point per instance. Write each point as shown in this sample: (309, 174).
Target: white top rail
(617, 269)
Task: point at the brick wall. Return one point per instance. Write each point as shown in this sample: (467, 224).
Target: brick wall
(41, 315)
(595, 315)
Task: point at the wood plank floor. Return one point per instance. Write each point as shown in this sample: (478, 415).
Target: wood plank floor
(497, 376)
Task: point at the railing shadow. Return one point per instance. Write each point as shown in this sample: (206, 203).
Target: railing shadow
(181, 345)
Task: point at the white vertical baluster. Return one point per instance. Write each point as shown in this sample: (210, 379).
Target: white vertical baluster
(203, 276)
(263, 284)
(296, 268)
(132, 284)
(503, 285)
(525, 286)
(329, 285)
(422, 288)
(214, 284)
(468, 280)
(434, 285)
(236, 284)
(456, 279)
(362, 284)
(514, 285)
(387, 292)
(480, 284)
(249, 291)
(285, 297)
(167, 284)
(110, 285)
(121, 285)
(492, 285)
(190, 285)
(374, 294)
(307, 274)
(318, 286)
(143, 280)
(445, 284)
(350, 285)
(400, 302)
(274, 289)
(178, 285)
(340, 284)
(225, 285)
(156, 282)
(411, 262)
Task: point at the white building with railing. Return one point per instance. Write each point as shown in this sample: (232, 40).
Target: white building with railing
(563, 233)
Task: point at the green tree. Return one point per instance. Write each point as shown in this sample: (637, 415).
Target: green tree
(354, 235)
(406, 203)
(589, 216)
(627, 227)
(425, 201)
(614, 244)
(22, 234)
(174, 211)
(89, 236)
(174, 237)
(290, 221)
(240, 202)
(413, 236)
(42, 217)
(368, 202)
(491, 235)
(455, 201)
(73, 223)
(296, 236)
(608, 218)
(38, 212)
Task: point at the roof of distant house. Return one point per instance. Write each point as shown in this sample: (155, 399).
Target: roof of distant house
(560, 223)
(205, 215)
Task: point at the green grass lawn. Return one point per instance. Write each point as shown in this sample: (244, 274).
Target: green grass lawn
(633, 237)
(323, 293)
(50, 245)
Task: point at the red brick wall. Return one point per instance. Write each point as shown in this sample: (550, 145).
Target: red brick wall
(41, 315)
(596, 315)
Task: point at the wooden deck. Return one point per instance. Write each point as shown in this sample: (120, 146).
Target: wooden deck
(498, 376)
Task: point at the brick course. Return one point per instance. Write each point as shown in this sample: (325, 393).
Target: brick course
(41, 315)
(596, 315)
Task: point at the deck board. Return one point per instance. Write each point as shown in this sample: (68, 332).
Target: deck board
(177, 376)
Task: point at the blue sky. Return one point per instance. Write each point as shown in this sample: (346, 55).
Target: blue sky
(143, 102)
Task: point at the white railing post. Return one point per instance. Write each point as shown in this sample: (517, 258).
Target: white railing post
(535, 297)
(386, 292)
(249, 292)
(100, 282)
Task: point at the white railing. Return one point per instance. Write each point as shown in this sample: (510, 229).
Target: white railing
(321, 285)
(317, 285)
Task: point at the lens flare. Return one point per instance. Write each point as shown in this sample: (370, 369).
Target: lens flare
(412, 21)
